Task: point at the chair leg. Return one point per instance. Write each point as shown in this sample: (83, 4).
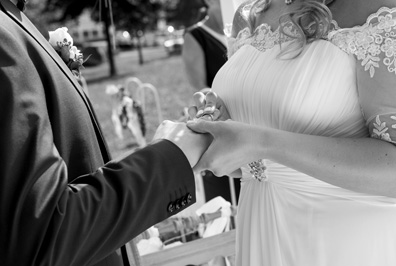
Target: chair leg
(133, 253)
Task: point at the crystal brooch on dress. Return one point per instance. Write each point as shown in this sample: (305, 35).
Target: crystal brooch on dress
(257, 169)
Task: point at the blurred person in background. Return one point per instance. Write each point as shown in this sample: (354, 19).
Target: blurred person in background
(204, 49)
(204, 53)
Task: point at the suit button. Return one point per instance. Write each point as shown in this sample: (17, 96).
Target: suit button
(178, 204)
(189, 197)
(183, 201)
(171, 207)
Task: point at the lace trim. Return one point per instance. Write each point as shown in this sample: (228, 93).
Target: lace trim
(367, 42)
(379, 128)
(263, 37)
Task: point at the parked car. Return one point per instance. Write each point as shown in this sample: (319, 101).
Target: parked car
(174, 42)
(124, 40)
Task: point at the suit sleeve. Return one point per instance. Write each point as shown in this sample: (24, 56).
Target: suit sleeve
(46, 220)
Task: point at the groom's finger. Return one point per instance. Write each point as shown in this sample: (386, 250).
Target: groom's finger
(203, 163)
(208, 161)
(198, 168)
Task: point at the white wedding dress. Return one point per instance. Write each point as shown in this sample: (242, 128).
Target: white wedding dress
(290, 218)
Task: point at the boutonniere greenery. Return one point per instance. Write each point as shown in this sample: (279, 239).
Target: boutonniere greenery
(62, 42)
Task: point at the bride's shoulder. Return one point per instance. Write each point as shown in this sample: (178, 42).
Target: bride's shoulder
(357, 12)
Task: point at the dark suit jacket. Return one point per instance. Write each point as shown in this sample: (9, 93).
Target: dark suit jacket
(61, 201)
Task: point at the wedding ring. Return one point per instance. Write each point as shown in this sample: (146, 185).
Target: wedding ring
(206, 116)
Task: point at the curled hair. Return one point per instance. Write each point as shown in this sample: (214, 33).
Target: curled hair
(311, 20)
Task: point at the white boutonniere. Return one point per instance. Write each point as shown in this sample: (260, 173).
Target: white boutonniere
(62, 42)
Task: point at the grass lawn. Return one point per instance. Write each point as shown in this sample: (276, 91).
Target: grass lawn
(165, 72)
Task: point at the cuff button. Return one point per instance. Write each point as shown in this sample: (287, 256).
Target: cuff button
(189, 197)
(171, 207)
(178, 204)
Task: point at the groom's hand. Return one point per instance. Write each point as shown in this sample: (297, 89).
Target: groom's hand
(192, 144)
(233, 145)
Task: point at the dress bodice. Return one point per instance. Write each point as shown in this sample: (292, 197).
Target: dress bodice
(312, 94)
(339, 86)
(317, 92)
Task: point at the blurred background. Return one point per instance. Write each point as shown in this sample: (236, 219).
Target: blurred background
(135, 77)
(127, 38)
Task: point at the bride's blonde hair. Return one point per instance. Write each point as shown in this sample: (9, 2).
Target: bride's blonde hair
(311, 18)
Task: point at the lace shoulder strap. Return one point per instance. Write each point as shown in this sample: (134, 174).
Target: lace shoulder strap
(374, 46)
(372, 43)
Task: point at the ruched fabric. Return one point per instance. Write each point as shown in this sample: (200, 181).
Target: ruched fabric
(292, 219)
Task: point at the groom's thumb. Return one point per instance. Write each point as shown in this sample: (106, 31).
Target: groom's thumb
(200, 125)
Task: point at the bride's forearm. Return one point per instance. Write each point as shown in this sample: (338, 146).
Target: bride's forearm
(363, 165)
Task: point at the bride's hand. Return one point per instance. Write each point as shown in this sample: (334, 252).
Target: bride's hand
(208, 106)
(234, 144)
(192, 144)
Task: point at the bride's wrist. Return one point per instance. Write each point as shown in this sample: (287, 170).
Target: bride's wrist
(278, 144)
(264, 142)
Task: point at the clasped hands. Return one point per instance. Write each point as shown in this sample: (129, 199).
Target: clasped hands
(209, 140)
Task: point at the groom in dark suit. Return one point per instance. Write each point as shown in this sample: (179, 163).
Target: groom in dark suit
(62, 201)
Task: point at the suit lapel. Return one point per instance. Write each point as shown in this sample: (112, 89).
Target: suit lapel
(24, 22)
